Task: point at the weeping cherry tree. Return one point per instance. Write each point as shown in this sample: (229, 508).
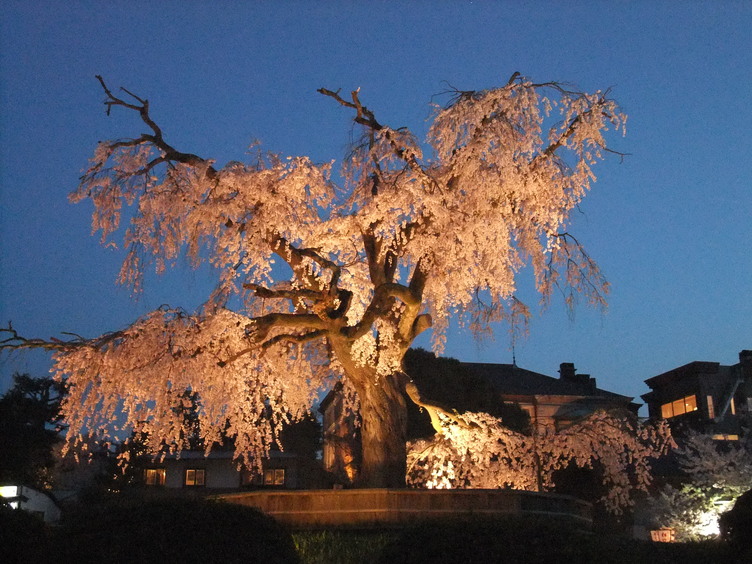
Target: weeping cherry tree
(325, 273)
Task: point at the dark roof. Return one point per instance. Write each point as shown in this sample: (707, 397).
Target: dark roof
(677, 374)
(509, 379)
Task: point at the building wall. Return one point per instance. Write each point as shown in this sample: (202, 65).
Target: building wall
(222, 472)
(28, 499)
(722, 395)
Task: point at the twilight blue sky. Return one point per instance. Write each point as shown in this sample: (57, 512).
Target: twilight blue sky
(671, 226)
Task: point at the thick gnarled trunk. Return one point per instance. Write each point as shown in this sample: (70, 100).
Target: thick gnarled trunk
(383, 414)
(383, 420)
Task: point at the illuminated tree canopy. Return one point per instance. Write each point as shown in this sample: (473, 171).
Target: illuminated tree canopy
(331, 273)
(478, 451)
(715, 474)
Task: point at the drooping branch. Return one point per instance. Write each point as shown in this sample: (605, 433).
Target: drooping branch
(581, 273)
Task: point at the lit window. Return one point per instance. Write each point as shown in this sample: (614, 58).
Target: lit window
(154, 476)
(690, 404)
(10, 492)
(711, 408)
(733, 407)
(274, 477)
(195, 477)
(720, 437)
(677, 406)
(681, 406)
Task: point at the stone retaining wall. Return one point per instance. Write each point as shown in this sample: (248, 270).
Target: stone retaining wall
(384, 508)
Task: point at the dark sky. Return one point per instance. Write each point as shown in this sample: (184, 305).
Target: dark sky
(671, 225)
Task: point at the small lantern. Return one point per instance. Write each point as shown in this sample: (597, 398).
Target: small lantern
(664, 534)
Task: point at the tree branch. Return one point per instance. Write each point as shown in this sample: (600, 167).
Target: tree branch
(435, 410)
(293, 295)
(157, 139)
(380, 303)
(366, 118)
(261, 326)
(294, 257)
(13, 341)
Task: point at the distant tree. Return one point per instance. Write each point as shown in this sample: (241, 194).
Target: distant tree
(30, 423)
(404, 243)
(303, 437)
(476, 450)
(715, 473)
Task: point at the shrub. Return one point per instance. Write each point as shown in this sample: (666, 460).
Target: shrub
(23, 536)
(172, 530)
(521, 540)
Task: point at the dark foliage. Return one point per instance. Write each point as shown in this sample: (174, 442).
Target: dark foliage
(171, 530)
(587, 484)
(736, 524)
(445, 382)
(303, 437)
(29, 427)
(23, 536)
(535, 540)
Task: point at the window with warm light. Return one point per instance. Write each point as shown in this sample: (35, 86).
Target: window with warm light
(274, 477)
(195, 477)
(711, 408)
(154, 476)
(681, 406)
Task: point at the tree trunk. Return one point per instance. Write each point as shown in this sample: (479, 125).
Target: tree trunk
(383, 414)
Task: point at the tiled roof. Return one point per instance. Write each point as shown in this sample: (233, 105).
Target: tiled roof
(510, 379)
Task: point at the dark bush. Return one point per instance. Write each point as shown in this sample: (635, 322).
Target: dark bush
(521, 540)
(23, 536)
(171, 530)
(736, 524)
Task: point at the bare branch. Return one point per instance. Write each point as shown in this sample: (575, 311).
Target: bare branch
(13, 341)
(157, 139)
(582, 274)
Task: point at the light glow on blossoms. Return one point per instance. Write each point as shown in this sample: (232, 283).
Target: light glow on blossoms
(475, 450)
